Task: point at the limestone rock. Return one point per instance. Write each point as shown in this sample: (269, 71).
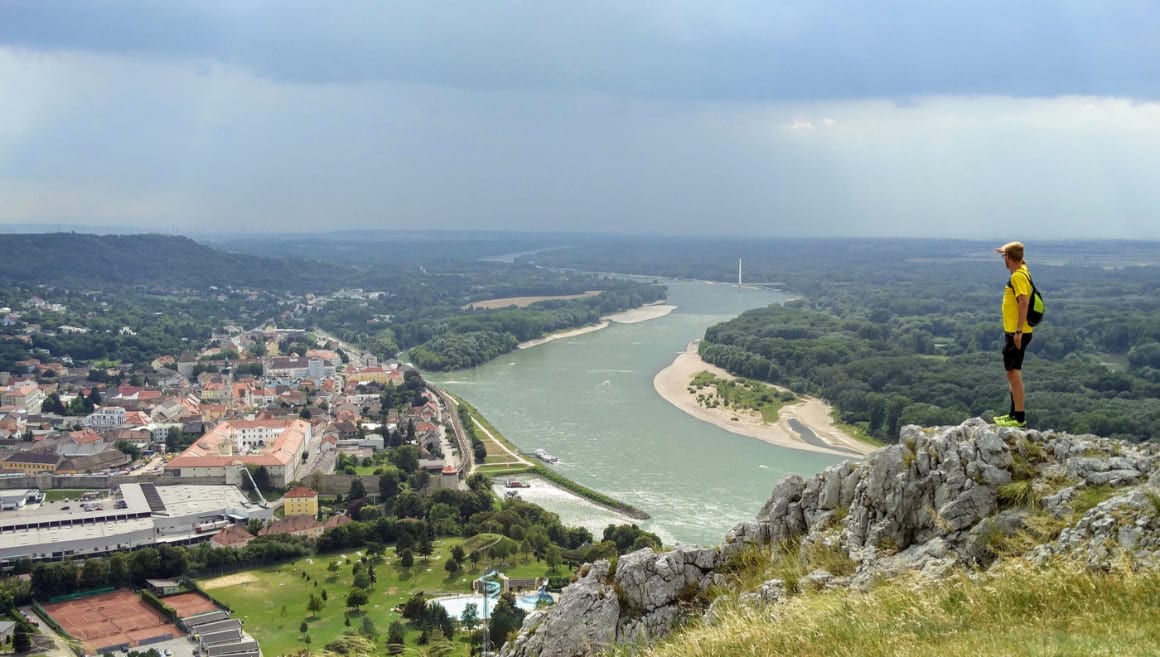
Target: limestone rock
(928, 505)
(583, 622)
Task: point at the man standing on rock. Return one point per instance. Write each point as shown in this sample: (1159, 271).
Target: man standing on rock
(1016, 331)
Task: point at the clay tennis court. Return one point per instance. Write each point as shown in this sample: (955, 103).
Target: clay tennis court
(189, 604)
(110, 620)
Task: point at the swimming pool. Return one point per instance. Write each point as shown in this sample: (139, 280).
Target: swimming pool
(457, 603)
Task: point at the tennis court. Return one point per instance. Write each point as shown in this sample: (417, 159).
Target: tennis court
(111, 620)
(189, 604)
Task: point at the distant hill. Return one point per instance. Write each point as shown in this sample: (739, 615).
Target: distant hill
(87, 261)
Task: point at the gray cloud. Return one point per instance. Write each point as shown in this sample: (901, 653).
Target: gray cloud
(752, 50)
(715, 118)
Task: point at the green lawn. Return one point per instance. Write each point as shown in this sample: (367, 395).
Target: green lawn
(500, 470)
(72, 494)
(272, 601)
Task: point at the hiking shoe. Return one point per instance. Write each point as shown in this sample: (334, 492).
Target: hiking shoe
(1010, 422)
(1000, 419)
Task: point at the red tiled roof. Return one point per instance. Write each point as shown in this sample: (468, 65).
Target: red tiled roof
(291, 525)
(85, 436)
(300, 492)
(232, 535)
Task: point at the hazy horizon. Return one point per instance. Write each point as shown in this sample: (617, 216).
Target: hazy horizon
(764, 119)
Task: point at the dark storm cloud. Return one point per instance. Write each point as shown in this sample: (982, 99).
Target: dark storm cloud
(677, 50)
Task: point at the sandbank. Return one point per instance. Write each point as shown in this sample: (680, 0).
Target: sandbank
(672, 384)
(570, 333)
(644, 313)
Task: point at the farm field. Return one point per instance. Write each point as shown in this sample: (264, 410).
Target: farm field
(272, 601)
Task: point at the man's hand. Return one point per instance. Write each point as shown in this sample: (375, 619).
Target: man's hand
(1018, 340)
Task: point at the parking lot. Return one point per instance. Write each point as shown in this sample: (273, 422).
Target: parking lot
(180, 647)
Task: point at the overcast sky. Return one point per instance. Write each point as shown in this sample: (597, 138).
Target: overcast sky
(960, 119)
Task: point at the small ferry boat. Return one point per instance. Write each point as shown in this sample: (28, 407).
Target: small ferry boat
(545, 456)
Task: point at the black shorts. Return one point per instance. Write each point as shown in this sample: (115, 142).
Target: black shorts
(1012, 356)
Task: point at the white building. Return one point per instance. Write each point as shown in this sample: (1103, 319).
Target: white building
(106, 417)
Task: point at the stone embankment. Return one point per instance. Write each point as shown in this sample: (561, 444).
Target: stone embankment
(940, 500)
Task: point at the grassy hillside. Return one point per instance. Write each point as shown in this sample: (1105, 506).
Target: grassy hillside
(1020, 610)
(272, 601)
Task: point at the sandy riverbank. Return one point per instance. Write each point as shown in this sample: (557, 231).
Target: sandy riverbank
(672, 383)
(571, 333)
(644, 313)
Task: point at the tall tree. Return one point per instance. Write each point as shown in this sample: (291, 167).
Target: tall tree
(315, 604)
(388, 486)
(505, 619)
(357, 489)
(356, 598)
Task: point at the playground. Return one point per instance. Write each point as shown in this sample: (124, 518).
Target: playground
(111, 620)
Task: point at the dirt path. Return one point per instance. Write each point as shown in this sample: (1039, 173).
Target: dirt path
(518, 459)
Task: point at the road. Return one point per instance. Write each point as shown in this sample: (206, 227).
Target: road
(450, 407)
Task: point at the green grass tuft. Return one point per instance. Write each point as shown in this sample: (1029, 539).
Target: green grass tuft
(1018, 494)
(1090, 497)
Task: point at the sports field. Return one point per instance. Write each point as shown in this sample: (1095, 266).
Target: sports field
(189, 604)
(111, 620)
(272, 601)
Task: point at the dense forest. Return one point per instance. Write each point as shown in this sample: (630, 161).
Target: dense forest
(469, 340)
(907, 331)
(150, 262)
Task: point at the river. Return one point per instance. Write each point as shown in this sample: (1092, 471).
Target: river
(589, 400)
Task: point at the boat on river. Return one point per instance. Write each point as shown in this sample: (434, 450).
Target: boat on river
(545, 456)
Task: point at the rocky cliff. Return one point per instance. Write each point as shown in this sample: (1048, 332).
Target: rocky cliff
(941, 499)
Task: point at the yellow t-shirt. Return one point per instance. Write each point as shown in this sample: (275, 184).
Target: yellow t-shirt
(1021, 282)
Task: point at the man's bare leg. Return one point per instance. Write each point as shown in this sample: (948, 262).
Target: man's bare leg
(1015, 381)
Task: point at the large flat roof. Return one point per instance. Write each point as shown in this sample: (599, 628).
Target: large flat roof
(69, 526)
(47, 536)
(197, 500)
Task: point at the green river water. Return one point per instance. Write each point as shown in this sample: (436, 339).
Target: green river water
(589, 400)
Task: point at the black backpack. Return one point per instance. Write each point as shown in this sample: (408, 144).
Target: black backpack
(1035, 307)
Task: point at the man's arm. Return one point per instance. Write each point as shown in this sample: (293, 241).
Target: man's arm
(1024, 301)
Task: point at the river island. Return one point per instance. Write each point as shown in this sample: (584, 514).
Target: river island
(804, 425)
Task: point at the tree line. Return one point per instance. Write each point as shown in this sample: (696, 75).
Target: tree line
(468, 340)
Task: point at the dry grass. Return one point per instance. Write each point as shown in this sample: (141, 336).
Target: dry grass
(1025, 612)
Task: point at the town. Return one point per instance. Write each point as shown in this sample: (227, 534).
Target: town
(130, 478)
